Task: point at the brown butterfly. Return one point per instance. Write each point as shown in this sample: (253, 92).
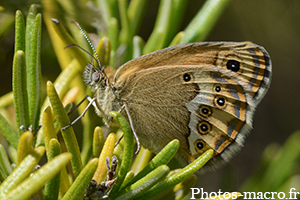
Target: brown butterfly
(203, 94)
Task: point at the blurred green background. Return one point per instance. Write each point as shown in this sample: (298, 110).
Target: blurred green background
(273, 24)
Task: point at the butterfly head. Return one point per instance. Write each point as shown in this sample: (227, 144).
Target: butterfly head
(94, 77)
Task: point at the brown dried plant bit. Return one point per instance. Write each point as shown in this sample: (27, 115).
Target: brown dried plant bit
(112, 169)
(99, 191)
(94, 191)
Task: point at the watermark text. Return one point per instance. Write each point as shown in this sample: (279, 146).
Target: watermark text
(199, 193)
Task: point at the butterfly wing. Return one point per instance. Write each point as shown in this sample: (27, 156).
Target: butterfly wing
(203, 94)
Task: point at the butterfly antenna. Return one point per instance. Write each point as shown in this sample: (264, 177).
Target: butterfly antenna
(90, 43)
(75, 45)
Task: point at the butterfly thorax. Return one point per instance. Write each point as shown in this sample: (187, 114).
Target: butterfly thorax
(101, 84)
(106, 102)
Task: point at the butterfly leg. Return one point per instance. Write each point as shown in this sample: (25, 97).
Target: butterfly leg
(92, 100)
(133, 130)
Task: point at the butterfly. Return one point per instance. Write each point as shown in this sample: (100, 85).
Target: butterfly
(203, 94)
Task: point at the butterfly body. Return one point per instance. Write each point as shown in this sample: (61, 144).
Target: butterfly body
(203, 94)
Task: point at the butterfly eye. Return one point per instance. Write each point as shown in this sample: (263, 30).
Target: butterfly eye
(205, 111)
(233, 65)
(220, 102)
(186, 77)
(204, 128)
(96, 76)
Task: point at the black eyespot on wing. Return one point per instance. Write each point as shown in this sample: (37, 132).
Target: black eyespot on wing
(205, 111)
(218, 88)
(233, 65)
(204, 127)
(220, 102)
(199, 144)
(186, 77)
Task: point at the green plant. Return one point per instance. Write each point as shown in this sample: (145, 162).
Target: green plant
(147, 177)
(26, 148)
(278, 171)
